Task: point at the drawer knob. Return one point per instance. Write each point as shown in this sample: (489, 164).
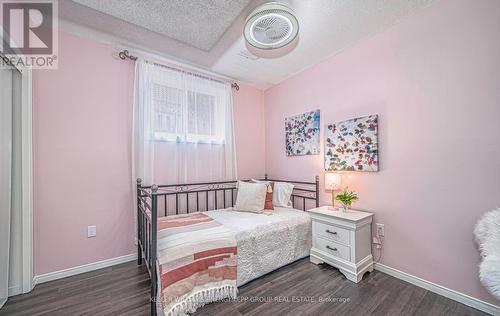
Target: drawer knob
(333, 249)
(330, 232)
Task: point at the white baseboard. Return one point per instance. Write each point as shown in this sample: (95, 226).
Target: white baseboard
(15, 290)
(441, 290)
(51, 276)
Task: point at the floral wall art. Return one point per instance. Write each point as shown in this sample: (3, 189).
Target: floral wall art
(302, 134)
(352, 145)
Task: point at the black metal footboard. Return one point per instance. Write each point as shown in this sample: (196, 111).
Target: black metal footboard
(146, 235)
(164, 200)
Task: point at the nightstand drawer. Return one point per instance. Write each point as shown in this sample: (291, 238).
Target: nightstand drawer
(331, 232)
(332, 248)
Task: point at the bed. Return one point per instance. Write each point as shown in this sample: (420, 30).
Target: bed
(265, 242)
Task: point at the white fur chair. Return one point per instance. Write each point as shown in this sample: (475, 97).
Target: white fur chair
(487, 232)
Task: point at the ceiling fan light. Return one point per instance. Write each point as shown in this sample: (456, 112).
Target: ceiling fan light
(271, 26)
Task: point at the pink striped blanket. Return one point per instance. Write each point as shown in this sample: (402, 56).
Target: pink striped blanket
(196, 261)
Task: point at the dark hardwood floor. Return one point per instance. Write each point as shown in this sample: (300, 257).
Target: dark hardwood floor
(301, 288)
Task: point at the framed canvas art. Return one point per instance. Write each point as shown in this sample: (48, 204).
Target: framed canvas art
(352, 145)
(302, 134)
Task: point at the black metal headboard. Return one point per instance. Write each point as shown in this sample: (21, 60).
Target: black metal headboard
(175, 199)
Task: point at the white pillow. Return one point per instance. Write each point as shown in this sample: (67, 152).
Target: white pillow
(282, 194)
(268, 183)
(251, 197)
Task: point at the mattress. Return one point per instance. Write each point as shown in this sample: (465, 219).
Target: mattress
(267, 241)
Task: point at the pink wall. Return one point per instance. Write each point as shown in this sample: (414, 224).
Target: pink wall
(249, 132)
(434, 80)
(82, 124)
(82, 114)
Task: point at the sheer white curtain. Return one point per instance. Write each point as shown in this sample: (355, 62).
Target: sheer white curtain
(183, 127)
(142, 125)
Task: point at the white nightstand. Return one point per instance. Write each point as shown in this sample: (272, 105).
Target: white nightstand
(343, 240)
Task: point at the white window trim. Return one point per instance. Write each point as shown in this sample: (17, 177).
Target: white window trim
(169, 137)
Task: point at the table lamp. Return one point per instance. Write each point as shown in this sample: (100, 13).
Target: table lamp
(333, 182)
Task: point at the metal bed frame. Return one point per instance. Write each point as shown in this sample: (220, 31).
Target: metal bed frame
(150, 200)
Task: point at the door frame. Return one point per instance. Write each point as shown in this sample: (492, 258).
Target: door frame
(27, 176)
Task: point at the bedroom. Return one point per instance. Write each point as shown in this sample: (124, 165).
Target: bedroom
(194, 92)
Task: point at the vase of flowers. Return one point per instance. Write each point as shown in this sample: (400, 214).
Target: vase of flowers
(346, 198)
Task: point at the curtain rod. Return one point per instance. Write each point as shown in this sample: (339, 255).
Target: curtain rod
(124, 55)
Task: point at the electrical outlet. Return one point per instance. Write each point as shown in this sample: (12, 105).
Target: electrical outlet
(380, 230)
(377, 242)
(91, 231)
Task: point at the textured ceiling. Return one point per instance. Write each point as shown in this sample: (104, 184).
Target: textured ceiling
(199, 23)
(326, 27)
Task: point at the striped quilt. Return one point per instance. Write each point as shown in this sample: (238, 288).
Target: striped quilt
(196, 261)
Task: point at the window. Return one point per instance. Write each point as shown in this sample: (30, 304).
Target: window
(167, 112)
(188, 115)
(174, 111)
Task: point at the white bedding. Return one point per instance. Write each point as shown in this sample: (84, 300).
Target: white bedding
(267, 242)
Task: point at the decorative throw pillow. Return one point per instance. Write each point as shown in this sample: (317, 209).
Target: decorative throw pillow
(282, 193)
(251, 197)
(269, 196)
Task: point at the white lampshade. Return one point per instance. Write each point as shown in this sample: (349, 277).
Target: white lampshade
(333, 181)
